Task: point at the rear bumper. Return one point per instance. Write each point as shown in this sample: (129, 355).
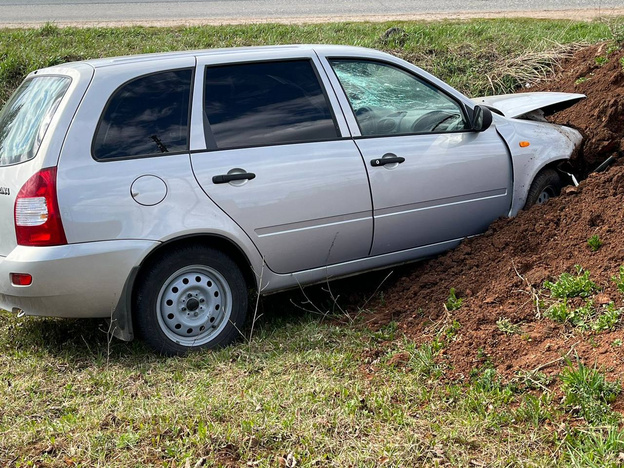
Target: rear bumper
(75, 280)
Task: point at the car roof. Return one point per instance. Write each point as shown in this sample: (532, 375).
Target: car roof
(232, 51)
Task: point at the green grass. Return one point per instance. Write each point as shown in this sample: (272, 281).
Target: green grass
(453, 302)
(569, 286)
(589, 394)
(323, 393)
(300, 387)
(477, 56)
(575, 305)
(619, 279)
(594, 243)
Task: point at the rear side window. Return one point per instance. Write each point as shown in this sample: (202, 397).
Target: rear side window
(256, 104)
(146, 116)
(25, 118)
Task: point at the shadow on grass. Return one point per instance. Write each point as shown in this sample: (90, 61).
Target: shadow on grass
(87, 341)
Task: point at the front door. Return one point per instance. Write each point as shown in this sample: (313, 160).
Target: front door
(432, 178)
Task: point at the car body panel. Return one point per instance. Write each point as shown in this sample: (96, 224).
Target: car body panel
(445, 180)
(272, 282)
(548, 144)
(451, 185)
(98, 200)
(74, 280)
(517, 105)
(308, 194)
(313, 194)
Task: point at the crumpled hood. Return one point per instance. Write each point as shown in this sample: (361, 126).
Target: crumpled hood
(516, 105)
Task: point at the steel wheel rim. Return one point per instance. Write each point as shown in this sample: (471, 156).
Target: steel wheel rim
(194, 305)
(546, 195)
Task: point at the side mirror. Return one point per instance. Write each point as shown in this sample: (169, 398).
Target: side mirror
(481, 119)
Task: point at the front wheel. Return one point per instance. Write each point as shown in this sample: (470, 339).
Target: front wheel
(546, 185)
(191, 298)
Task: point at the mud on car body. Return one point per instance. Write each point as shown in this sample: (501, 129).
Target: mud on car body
(157, 190)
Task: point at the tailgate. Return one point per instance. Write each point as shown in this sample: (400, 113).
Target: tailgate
(33, 124)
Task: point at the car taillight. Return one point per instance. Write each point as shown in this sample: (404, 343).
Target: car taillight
(37, 215)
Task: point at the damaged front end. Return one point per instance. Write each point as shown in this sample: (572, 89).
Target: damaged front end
(533, 143)
(529, 106)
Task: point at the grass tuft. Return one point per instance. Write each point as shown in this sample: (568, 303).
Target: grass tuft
(506, 326)
(594, 243)
(575, 306)
(536, 410)
(596, 447)
(453, 302)
(529, 68)
(569, 286)
(619, 279)
(589, 394)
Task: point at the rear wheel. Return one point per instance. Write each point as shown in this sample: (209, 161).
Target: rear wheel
(191, 298)
(546, 185)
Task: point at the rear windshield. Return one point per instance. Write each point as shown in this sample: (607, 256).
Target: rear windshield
(27, 115)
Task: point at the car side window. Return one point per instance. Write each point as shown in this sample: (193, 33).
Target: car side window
(388, 100)
(267, 103)
(148, 115)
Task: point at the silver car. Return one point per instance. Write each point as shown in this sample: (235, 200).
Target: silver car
(157, 190)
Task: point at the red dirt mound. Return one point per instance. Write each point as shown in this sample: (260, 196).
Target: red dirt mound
(597, 72)
(499, 273)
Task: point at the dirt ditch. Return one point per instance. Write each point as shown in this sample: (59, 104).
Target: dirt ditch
(597, 72)
(500, 275)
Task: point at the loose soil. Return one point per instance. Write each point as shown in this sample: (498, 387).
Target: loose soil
(597, 72)
(498, 274)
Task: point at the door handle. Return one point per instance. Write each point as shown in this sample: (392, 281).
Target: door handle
(387, 159)
(225, 178)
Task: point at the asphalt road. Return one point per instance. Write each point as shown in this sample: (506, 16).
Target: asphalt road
(15, 12)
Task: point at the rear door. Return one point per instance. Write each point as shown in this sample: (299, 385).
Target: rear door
(274, 155)
(432, 179)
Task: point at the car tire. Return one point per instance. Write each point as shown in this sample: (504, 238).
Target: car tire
(190, 298)
(546, 185)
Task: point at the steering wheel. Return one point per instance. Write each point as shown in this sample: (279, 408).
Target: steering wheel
(432, 120)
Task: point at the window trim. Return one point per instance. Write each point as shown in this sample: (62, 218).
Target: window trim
(206, 123)
(150, 155)
(462, 106)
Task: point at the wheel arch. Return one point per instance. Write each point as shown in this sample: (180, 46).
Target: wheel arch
(553, 164)
(122, 326)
